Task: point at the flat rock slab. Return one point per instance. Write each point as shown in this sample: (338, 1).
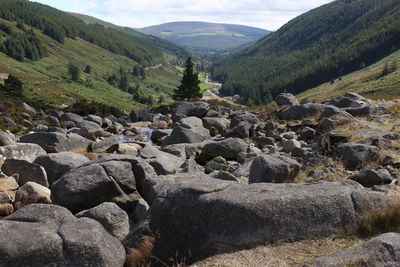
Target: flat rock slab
(57, 142)
(28, 152)
(194, 213)
(383, 250)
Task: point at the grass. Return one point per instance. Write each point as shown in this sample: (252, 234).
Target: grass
(47, 79)
(380, 221)
(281, 254)
(367, 82)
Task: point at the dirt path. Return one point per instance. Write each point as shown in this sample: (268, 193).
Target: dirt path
(214, 95)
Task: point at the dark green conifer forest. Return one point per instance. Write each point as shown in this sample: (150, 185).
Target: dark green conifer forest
(314, 48)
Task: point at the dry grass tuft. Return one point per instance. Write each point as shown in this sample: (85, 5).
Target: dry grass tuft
(141, 256)
(381, 221)
(281, 254)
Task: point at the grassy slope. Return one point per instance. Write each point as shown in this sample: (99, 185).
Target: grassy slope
(364, 81)
(46, 79)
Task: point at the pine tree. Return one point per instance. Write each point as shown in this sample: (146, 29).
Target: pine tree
(12, 86)
(73, 71)
(123, 82)
(88, 69)
(190, 84)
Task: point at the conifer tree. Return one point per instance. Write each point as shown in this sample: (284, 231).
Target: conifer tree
(190, 84)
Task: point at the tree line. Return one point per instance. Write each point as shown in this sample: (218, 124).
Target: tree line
(59, 25)
(22, 45)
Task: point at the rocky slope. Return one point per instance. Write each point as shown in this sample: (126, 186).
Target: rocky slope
(176, 184)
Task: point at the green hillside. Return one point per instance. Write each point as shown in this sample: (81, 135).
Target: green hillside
(123, 71)
(206, 37)
(378, 81)
(316, 47)
(160, 43)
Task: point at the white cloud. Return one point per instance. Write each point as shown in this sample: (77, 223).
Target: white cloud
(268, 14)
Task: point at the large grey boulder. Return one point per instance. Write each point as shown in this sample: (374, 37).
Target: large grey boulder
(354, 104)
(162, 162)
(105, 144)
(138, 114)
(75, 118)
(48, 235)
(108, 179)
(349, 100)
(90, 130)
(228, 149)
(232, 215)
(188, 130)
(113, 218)
(284, 99)
(95, 119)
(218, 124)
(298, 112)
(197, 109)
(28, 152)
(241, 130)
(57, 164)
(273, 169)
(57, 142)
(383, 250)
(27, 171)
(372, 177)
(355, 156)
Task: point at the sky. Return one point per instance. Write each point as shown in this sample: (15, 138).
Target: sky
(266, 14)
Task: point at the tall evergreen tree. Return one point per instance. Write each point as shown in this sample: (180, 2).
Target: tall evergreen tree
(190, 84)
(73, 71)
(12, 86)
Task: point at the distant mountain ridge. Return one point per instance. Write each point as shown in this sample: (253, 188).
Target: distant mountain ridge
(316, 47)
(206, 36)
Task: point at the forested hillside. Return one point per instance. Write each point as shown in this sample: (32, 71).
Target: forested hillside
(159, 43)
(316, 47)
(60, 58)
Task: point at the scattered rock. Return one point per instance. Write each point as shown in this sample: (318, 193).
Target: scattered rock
(108, 179)
(27, 172)
(383, 250)
(290, 145)
(75, 118)
(31, 193)
(188, 130)
(162, 162)
(298, 112)
(57, 164)
(285, 99)
(49, 235)
(198, 109)
(5, 138)
(113, 218)
(57, 142)
(228, 149)
(8, 184)
(355, 156)
(370, 178)
(273, 169)
(28, 152)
